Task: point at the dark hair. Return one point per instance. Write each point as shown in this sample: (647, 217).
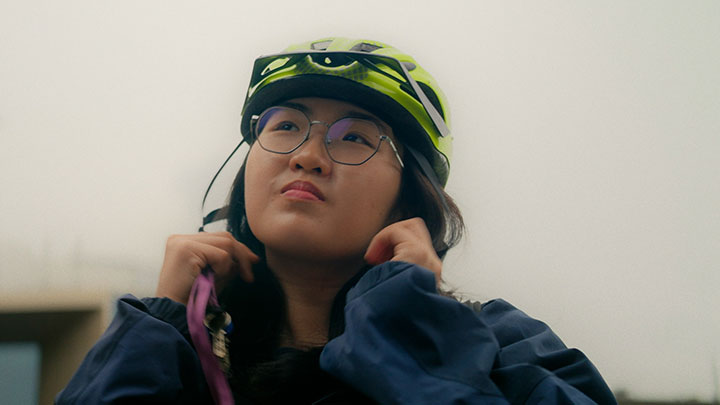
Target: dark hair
(259, 370)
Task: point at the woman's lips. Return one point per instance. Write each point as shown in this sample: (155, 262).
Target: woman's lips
(302, 190)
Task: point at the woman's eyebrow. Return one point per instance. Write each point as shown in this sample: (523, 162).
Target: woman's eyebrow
(350, 114)
(363, 116)
(302, 107)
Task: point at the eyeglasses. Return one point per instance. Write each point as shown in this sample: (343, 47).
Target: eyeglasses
(348, 141)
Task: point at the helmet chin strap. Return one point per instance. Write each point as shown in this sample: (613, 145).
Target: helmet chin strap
(219, 213)
(430, 174)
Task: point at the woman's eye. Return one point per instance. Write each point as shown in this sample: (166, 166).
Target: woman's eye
(286, 126)
(356, 139)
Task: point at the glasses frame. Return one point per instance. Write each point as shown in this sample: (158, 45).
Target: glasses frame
(256, 118)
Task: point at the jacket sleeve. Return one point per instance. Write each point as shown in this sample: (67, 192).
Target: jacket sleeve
(143, 357)
(404, 343)
(534, 366)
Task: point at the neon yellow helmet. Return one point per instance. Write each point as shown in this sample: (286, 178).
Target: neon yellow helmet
(370, 74)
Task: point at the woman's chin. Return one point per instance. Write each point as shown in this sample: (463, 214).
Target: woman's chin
(310, 248)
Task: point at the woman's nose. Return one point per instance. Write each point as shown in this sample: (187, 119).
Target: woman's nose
(312, 155)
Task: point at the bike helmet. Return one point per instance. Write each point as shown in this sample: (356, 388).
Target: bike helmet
(370, 74)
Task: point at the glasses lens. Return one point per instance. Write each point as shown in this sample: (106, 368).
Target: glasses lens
(281, 129)
(352, 140)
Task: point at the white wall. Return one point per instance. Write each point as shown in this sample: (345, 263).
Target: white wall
(587, 143)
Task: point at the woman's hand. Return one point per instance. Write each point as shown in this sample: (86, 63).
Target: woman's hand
(187, 255)
(407, 241)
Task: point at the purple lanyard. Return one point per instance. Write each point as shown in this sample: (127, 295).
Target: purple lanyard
(202, 294)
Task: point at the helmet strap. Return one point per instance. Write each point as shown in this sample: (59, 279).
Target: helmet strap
(430, 174)
(220, 213)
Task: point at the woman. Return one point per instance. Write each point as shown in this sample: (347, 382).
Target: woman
(337, 223)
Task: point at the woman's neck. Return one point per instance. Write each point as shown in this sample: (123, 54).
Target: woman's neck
(310, 289)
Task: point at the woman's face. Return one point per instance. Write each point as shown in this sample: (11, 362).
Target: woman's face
(304, 204)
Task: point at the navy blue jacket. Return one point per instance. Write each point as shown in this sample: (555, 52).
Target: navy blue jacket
(403, 344)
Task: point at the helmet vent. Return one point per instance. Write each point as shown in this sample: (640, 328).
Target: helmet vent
(365, 47)
(432, 97)
(321, 46)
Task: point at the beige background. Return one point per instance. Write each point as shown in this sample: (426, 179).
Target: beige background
(587, 143)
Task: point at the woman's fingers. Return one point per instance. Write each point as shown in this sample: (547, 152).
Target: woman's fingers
(187, 255)
(245, 259)
(226, 255)
(408, 241)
